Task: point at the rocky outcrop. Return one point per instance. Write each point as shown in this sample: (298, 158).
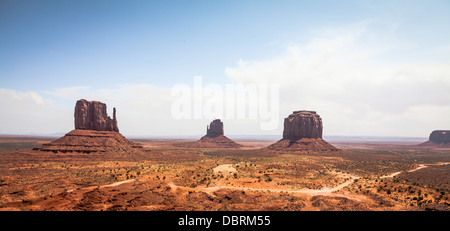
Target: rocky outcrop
(214, 138)
(214, 129)
(304, 145)
(216, 142)
(91, 115)
(438, 138)
(94, 131)
(302, 124)
(302, 133)
(88, 141)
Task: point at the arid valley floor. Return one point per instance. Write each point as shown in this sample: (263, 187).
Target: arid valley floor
(363, 176)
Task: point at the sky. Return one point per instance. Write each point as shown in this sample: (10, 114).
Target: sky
(368, 68)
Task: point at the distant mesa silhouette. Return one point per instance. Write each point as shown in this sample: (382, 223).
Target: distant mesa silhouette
(214, 129)
(214, 138)
(94, 131)
(438, 138)
(302, 133)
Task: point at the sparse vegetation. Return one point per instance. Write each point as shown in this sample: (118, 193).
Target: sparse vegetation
(27, 177)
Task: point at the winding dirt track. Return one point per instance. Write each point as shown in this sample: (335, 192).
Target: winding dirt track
(312, 192)
(325, 191)
(109, 185)
(421, 166)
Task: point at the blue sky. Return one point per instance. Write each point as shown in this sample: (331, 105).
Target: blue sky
(50, 44)
(52, 52)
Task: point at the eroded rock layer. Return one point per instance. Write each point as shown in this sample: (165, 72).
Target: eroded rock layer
(219, 142)
(214, 138)
(302, 124)
(303, 145)
(215, 129)
(302, 133)
(87, 141)
(91, 115)
(94, 132)
(438, 138)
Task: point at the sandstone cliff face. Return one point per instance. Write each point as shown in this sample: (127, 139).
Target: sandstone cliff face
(438, 139)
(88, 141)
(302, 124)
(440, 136)
(215, 128)
(91, 115)
(94, 131)
(302, 133)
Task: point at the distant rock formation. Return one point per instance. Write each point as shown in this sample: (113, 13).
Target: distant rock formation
(438, 138)
(214, 129)
(302, 124)
(302, 133)
(214, 138)
(94, 132)
(91, 115)
(88, 141)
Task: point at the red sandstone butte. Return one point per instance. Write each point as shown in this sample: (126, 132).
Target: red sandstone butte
(214, 138)
(214, 129)
(302, 124)
(302, 133)
(91, 115)
(94, 131)
(438, 138)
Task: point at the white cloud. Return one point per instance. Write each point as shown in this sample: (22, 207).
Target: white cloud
(30, 97)
(142, 109)
(348, 82)
(347, 75)
(29, 112)
(69, 92)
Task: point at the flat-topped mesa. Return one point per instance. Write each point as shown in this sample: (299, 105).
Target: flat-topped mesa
(302, 133)
(438, 139)
(302, 124)
(91, 115)
(214, 129)
(440, 136)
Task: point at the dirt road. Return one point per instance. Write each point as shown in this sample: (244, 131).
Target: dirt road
(312, 192)
(224, 168)
(109, 185)
(227, 168)
(421, 166)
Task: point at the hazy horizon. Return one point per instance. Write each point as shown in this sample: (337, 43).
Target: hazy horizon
(368, 68)
(273, 137)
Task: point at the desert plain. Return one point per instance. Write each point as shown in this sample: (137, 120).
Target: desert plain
(362, 176)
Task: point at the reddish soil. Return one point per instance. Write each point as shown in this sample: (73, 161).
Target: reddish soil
(211, 142)
(435, 145)
(351, 179)
(303, 145)
(87, 141)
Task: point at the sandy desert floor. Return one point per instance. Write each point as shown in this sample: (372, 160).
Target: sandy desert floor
(360, 177)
